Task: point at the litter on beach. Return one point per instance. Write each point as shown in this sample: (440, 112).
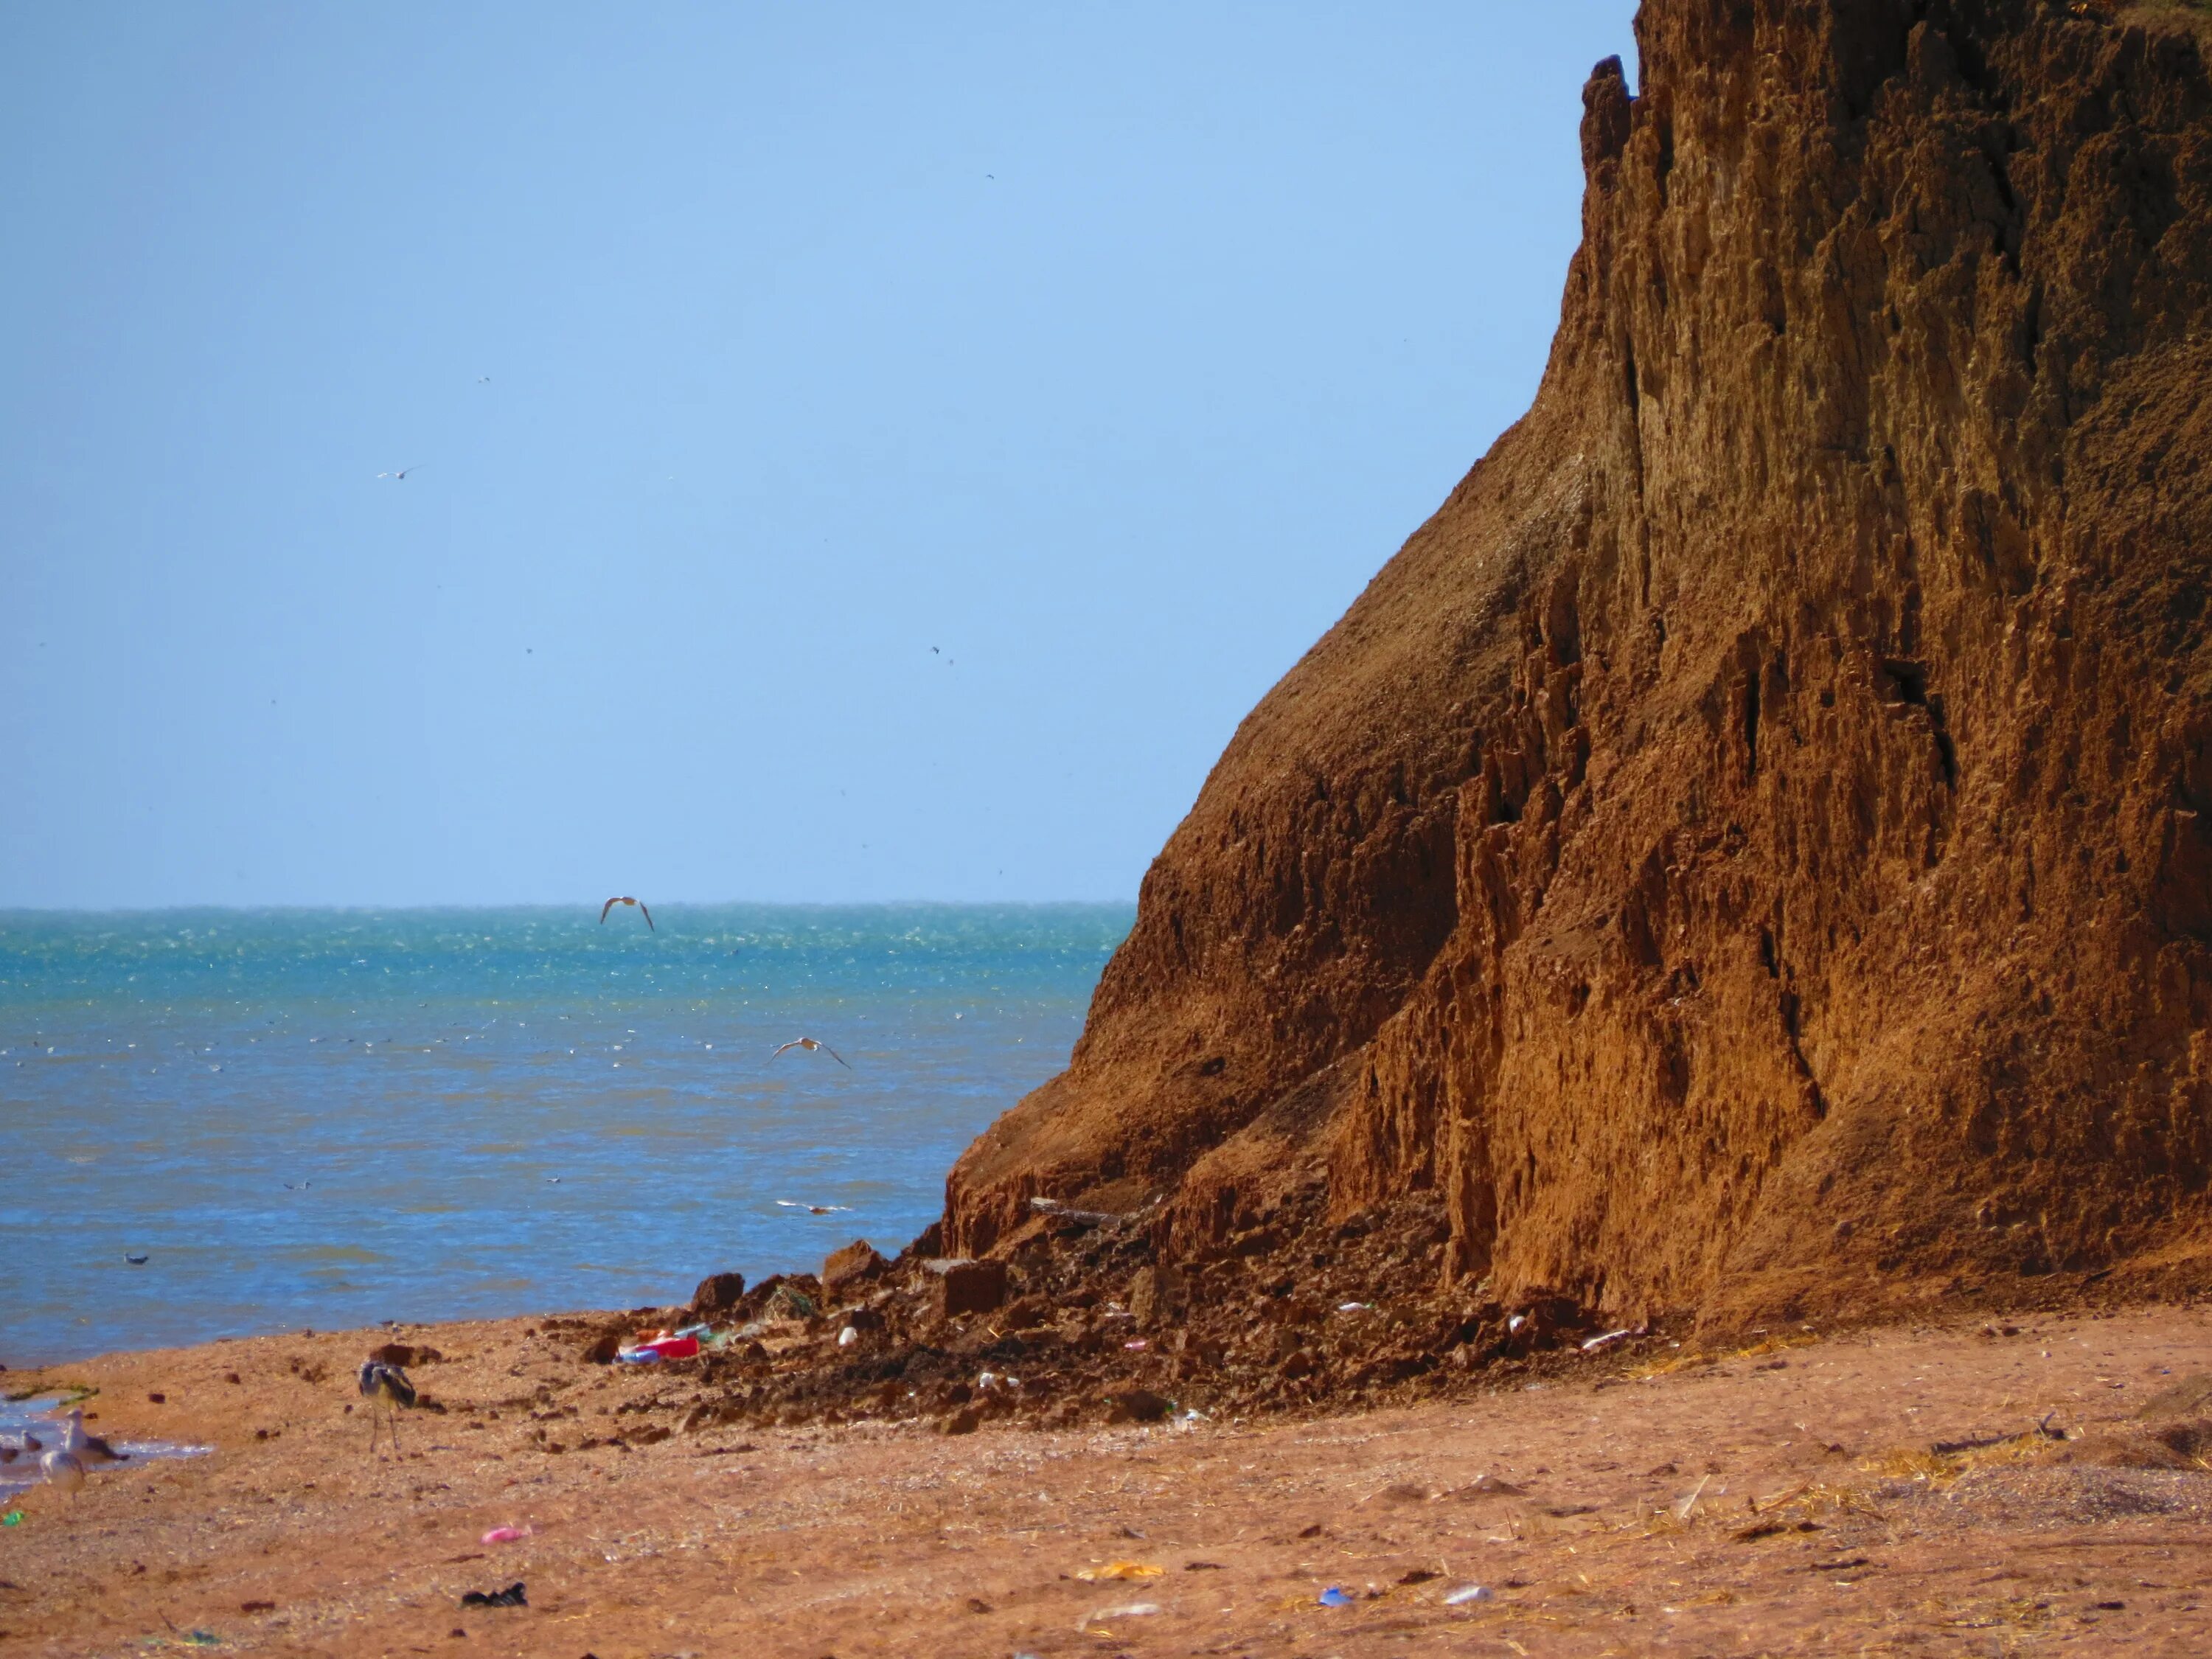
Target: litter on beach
(1336, 1596)
(1607, 1341)
(1119, 1570)
(662, 1345)
(1130, 1610)
(509, 1535)
(511, 1596)
(1466, 1593)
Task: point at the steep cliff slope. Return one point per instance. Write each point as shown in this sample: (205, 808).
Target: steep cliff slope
(1752, 849)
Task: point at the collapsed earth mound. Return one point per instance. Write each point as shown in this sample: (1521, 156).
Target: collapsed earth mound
(1750, 853)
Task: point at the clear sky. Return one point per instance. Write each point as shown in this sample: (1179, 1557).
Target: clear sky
(865, 451)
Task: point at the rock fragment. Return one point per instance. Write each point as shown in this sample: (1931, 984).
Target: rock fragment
(972, 1287)
(843, 1271)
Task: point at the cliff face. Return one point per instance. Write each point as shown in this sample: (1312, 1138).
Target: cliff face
(1752, 849)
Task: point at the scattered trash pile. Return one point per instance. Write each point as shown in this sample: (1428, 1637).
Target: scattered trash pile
(1081, 1319)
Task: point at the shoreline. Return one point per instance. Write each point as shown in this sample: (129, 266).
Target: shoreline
(1823, 1511)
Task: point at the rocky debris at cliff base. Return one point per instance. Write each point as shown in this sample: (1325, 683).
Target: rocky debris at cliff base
(718, 1293)
(1087, 1323)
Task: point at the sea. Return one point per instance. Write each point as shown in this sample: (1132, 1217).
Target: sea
(331, 1119)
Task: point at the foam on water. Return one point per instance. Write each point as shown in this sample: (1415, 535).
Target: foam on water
(331, 1119)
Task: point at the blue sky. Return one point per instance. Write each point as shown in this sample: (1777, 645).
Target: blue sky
(747, 353)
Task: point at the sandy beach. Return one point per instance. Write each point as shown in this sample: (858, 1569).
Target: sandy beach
(1645, 1089)
(1886, 1491)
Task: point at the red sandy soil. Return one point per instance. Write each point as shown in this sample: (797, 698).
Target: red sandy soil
(1823, 1522)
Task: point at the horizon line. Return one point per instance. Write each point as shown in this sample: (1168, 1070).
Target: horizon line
(663, 905)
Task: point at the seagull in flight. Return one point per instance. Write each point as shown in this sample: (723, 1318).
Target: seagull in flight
(135, 1260)
(403, 471)
(813, 1209)
(810, 1045)
(610, 904)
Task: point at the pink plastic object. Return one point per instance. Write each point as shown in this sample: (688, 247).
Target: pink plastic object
(668, 1347)
(507, 1534)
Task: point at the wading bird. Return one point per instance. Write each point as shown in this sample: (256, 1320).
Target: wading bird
(810, 1045)
(88, 1448)
(63, 1469)
(611, 903)
(385, 1386)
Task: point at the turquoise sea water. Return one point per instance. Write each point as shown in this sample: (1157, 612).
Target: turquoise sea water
(327, 1119)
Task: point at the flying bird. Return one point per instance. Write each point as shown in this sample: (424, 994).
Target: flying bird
(810, 1045)
(611, 903)
(403, 471)
(813, 1209)
(386, 1386)
(134, 1261)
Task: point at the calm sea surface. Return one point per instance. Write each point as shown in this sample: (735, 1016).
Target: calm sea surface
(328, 1119)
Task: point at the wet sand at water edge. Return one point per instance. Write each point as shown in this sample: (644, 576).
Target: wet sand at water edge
(1886, 1492)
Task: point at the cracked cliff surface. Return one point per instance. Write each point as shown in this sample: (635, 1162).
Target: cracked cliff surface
(1751, 851)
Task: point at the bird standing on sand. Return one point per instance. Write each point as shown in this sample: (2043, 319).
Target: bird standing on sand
(386, 1386)
(63, 1469)
(88, 1449)
(611, 903)
(810, 1045)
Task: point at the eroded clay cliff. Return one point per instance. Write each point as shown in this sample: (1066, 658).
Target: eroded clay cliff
(1752, 848)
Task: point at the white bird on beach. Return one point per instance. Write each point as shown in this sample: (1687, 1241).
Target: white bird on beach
(611, 903)
(63, 1469)
(813, 1209)
(88, 1448)
(386, 1386)
(810, 1045)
